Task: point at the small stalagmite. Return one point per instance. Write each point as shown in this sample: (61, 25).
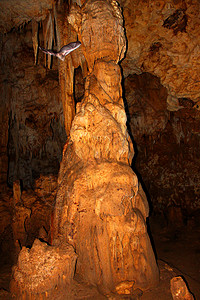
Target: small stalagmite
(43, 271)
(179, 289)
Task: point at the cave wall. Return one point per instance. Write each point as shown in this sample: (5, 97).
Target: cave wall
(33, 135)
(163, 39)
(161, 80)
(167, 147)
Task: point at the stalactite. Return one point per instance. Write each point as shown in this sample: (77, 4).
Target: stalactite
(66, 81)
(57, 36)
(48, 34)
(56, 30)
(35, 39)
(64, 34)
(50, 41)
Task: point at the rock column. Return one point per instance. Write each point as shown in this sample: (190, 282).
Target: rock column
(101, 208)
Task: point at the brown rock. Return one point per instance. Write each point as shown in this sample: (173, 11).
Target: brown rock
(163, 39)
(43, 269)
(5, 211)
(179, 289)
(100, 207)
(43, 234)
(95, 27)
(16, 192)
(20, 215)
(20, 14)
(167, 146)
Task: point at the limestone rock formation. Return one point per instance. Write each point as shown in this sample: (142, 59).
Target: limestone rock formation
(66, 34)
(179, 289)
(163, 39)
(21, 12)
(6, 241)
(35, 131)
(167, 144)
(99, 19)
(20, 215)
(43, 270)
(100, 206)
(34, 210)
(25, 215)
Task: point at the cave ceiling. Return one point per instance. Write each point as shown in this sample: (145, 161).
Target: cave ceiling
(162, 39)
(14, 14)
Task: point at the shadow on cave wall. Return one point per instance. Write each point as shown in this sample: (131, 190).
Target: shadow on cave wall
(166, 145)
(133, 164)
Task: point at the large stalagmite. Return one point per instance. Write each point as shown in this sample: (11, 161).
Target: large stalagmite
(100, 207)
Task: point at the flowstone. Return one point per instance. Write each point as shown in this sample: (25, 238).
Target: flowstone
(101, 208)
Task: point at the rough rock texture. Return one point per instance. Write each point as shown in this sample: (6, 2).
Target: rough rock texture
(26, 215)
(31, 142)
(161, 72)
(21, 12)
(65, 35)
(42, 270)
(4, 121)
(33, 120)
(41, 202)
(92, 22)
(163, 39)
(31, 111)
(167, 144)
(179, 289)
(20, 215)
(100, 206)
(6, 238)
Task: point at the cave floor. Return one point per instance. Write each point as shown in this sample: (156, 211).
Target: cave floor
(178, 254)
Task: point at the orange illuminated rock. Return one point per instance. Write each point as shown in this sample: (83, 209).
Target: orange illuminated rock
(100, 207)
(179, 289)
(163, 39)
(42, 270)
